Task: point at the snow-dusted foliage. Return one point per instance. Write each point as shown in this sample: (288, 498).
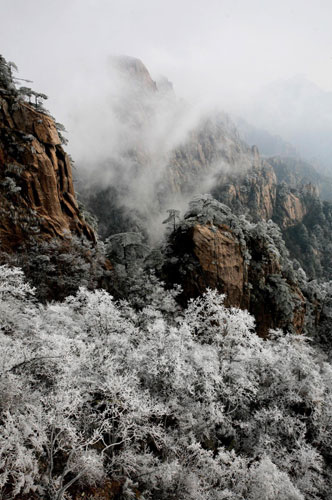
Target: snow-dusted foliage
(164, 403)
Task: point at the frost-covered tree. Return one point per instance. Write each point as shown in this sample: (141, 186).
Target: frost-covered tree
(126, 248)
(173, 217)
(6, 76)
(155, 401)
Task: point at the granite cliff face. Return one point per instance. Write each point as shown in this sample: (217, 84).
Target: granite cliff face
(42, 229)
(253, 192)
(36, 185)
(213, 248)
(207, 155)
(205, 256)
(259, 195)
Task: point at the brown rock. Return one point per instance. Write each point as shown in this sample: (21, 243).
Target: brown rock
(31, 121)
(293, 209)
(254, 191)
(219, 254)
(6, 118)
(208, 255)
(32, 159)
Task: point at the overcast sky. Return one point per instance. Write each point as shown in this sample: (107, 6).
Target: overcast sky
(206, 47)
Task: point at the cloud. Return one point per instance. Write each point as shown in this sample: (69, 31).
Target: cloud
(156, 150)
(215, 47)
(218, 54)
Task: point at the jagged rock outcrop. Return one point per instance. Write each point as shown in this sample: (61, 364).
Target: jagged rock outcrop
(291, 199)
(212, 248)
(36, 186)
(207, 155)
(253, 193)
(258, 194)
(290, 207)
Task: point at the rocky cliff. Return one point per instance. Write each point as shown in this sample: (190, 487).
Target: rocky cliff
(290, 198)
(213, 248)
(258, 194)
(207, 155)
(36, 187)
(253, 192)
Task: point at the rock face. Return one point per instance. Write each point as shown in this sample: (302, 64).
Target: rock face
(282, 193)
(206, 156)
(290, 209)
(213, 248)
(36, 186)
(254, 193)
(217, 262)
(258, 194)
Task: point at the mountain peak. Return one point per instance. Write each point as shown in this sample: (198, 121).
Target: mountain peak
(135, 69)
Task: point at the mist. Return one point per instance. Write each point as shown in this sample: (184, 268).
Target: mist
(300, 112)
(137, 136)
(227, 56)
(221, 50)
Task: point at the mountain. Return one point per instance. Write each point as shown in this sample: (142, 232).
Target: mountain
(36, 186)
(195, 378)
(161, 153)
(42, 227)
(166, 154)
(174, 163)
